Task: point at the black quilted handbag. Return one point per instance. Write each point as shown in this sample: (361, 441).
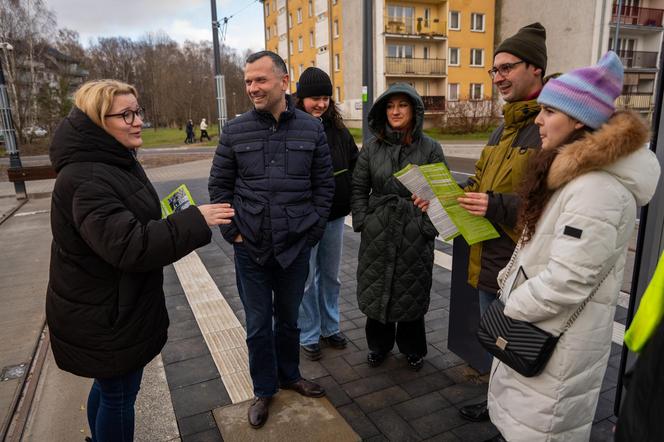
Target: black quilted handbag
(521, 345)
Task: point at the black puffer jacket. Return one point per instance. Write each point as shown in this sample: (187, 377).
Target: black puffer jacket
(397, 242)
(105, 304)
(344, 154)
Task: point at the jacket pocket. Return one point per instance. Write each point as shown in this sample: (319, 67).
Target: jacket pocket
(250, 158)
(301, 218)
(299, 156)
(249, 219)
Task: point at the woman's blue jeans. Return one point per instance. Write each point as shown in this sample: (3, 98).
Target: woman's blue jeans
(111, 407)
(319, 311)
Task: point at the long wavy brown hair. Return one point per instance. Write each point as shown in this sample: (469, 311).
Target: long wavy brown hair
(533, 191)
(331, 113)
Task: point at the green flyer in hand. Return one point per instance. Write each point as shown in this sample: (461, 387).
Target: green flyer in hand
(435, 183)
(177, 200)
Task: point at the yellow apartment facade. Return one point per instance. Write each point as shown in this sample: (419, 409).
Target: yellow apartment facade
(412, 42)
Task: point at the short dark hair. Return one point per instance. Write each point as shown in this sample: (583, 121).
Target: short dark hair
(279, 64)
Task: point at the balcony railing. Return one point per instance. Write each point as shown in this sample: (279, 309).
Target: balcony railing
(638, 59)
(433, 103)
(637, 101)
(415, 26)
(632, 15)
(414, 66)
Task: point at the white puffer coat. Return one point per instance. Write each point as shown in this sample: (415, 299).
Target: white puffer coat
(599, 180)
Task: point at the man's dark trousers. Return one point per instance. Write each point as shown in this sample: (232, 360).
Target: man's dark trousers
(274, 353)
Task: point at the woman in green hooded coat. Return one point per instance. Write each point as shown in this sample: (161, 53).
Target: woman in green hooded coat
(397, 237)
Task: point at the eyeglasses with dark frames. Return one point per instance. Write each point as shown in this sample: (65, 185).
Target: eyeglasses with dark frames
(130, 115)
(504, 69)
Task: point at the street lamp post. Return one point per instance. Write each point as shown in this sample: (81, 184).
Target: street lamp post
(218, 78)
(7, 128)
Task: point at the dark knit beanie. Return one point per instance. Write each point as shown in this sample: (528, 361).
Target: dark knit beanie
(314, 82)
(529, 44)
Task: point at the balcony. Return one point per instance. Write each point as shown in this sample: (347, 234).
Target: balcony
(433, 103)
(415, 66)
(635, 16)
(638, 59)
(412, 27)
(637, 101)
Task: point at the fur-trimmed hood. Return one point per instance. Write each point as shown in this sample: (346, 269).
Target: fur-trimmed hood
(617, 148)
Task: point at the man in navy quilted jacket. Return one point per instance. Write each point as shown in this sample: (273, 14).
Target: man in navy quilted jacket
(273, 165)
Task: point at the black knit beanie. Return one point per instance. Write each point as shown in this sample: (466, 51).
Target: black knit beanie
(314, 82)
(529, 44)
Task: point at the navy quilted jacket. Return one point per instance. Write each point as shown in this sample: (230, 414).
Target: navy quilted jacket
(397, 242)
(278, 177)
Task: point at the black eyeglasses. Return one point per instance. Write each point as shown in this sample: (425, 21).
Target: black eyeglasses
(130, 115)
(504, 69)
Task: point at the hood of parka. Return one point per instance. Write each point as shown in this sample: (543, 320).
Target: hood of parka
(378, 115)
(78, 139)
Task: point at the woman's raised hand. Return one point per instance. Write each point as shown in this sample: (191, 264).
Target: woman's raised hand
(422, 204)
(476, 203)
(216, 214)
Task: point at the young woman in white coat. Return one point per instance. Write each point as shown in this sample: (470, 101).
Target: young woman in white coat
(578, 210)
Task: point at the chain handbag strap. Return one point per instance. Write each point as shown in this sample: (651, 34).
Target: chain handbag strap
(510, 264)
(578, 311)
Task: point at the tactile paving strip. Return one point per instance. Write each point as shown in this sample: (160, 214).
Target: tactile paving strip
(223, 333)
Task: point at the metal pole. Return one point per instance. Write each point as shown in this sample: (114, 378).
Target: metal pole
(615, 37)
(7, 129)
(218, 78)
(367, 67)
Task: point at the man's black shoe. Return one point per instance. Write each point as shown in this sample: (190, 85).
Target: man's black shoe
(336, 340)
(415, 362)
(305, 388)
(375, 359)
(258, 411)
(475, 413)
(312, 352)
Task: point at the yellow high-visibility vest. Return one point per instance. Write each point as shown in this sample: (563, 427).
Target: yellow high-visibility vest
(650, 312)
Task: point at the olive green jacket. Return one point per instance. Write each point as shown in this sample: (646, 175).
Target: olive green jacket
(498, 172)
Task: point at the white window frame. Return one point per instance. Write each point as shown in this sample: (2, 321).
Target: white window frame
(300, 44)
(473, 51)
(427, 17)
(472, 89)
(301, 70)
(473, 19)
(449, 92)
(401, 50)
(337, 93)
(291, 47)
(458, 28)
(312, 41)
(336, 27)
(290, 20)
(298, 14)
(458, 57)
(337, 62)
(311, 8)
(267, 9)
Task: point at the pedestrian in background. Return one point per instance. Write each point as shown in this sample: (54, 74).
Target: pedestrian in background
(397, 237)
(319, 311)
(579, 200)
(273, 165)
(203, 128)
(105, 304)
(191, 136)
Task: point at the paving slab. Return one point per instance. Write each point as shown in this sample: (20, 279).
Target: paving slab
(292, 417)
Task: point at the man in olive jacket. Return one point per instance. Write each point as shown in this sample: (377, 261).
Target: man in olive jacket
(518, 71)
(273, 165)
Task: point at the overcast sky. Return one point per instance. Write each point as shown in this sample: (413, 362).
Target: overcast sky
(181, 20)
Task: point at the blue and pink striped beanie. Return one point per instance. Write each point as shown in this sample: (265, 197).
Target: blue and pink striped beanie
(587, 94)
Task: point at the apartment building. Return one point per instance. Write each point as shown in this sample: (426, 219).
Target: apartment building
(579, 32)
(410, 45)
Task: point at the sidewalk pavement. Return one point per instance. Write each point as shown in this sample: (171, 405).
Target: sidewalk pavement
(390, 402)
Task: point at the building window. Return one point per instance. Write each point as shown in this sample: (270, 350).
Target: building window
(455, 55)
(299, 15)
(455, 20)
(292, 73)
(477, 22)
(476, 91)
(337, 94)
(267, 9)
(291, 47)
(334, 2)
(312, 42)
(401, 19)
(336, 28)
(300, 45)
(311, 8)
(427, 17)
(477, 57)
(400, 51)
(426, 52)
(337, 62)
(301, 69)
(290, 21)
(453, 92)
